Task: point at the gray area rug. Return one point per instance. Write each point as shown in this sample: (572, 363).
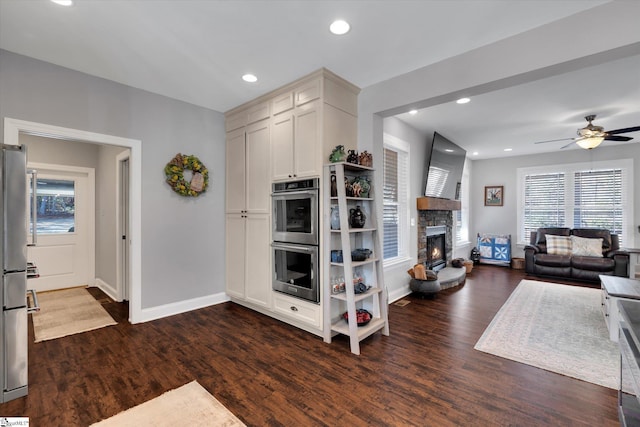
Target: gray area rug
(559, 328)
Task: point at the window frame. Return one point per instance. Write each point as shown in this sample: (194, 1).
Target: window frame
(569, 170)
(402, 148)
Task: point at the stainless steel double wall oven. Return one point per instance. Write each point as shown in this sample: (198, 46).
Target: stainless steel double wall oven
(296, 238)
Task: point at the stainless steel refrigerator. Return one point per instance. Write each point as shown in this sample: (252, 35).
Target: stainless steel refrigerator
(13, 252)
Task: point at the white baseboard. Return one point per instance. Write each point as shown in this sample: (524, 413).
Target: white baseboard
(399, 293)
(167, 310)
(107, 288)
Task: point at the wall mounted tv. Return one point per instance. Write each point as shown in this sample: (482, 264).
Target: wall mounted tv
(444, 169)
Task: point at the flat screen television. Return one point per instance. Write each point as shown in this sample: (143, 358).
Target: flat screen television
(444, 169)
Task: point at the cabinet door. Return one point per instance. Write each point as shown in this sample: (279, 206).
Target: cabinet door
(282, 147)
(235, 243)
(307, 149)
(258, 174)
(235, 172)
(258, 260)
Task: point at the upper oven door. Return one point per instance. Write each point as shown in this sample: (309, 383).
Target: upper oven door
(295, 217)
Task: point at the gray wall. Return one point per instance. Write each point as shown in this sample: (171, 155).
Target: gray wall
(106, 215)
(503, 219)
(59, 152)
(182, 249)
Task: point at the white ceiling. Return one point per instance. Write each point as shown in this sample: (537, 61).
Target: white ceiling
(197, 50)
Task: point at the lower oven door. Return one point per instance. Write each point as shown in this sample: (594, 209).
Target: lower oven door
(296, 271)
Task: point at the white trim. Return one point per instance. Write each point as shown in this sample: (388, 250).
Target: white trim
(120, 290)
(12, 129)
(167, 310)
(106, 288)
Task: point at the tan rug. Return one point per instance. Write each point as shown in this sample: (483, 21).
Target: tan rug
(67, 312)
(559, 328)
(190, 405)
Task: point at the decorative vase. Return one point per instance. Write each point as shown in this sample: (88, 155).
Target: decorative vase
(338, 154)
(334, 186)
(365, 186)
(357, 218)
(335, 218)
(352, 157)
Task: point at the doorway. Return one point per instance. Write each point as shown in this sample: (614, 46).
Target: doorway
(12, 130)
(65, 218)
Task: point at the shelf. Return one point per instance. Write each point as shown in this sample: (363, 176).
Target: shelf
(358, 297)
(356, 263)
(351, 166)
(355, 199)
(356, 230)
(342, 327)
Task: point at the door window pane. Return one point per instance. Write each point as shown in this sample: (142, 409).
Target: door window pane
(55, 206)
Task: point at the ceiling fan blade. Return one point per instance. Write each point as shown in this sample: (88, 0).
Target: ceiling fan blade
(625, 130)
(617, 138)
(568, 145)
(553, 140)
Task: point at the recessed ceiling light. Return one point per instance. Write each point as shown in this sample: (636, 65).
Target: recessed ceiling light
(63, 2)
(413, 112)
(339, 27)
(475, 153)
(463, 100)
(250, 78)
(508, 149)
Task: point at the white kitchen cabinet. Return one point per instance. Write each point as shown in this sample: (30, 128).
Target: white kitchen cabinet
(248, 220)
(296, 147)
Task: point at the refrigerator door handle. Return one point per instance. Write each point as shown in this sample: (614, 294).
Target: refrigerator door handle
(34, 207)
(34, 299)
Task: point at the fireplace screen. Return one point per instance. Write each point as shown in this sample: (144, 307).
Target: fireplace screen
(436, 249)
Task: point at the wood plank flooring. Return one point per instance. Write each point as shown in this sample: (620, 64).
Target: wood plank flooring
(271, 374)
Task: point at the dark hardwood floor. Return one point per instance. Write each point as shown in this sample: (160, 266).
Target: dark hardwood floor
(268, 373)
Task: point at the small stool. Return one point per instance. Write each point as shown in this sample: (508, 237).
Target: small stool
(425, 287)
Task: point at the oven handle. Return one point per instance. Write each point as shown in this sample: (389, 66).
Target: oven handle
(290, 194)
(277, 245)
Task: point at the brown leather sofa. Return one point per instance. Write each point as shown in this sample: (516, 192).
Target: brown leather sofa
(613, 261)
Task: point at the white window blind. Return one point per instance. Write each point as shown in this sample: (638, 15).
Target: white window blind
(390, 217)
(544, 204)
(599, 200)
(395, 216)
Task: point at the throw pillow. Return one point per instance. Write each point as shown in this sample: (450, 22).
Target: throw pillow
(558, 245)
(581, 246)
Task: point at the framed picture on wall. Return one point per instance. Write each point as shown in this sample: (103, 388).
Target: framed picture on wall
(494, 195)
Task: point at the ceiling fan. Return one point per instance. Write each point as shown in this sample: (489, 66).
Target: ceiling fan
(591, 135)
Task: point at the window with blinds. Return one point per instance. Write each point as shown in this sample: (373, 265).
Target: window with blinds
(390, 214)
(597, 195)
(544, 204)
(598, 200)
(395, 215)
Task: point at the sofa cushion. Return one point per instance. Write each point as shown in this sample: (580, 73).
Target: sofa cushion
(556, 231)
(590, 263)
(558, 245)
(591, 233)
(581, 246)
(553, 260)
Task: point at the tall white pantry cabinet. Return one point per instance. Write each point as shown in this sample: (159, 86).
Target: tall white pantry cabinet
(284, 135)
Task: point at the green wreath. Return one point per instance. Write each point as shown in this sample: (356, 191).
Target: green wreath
(174, 172)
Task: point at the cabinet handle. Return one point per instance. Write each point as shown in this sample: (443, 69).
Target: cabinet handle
(293, 308)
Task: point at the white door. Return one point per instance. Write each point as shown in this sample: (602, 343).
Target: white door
(65, 249)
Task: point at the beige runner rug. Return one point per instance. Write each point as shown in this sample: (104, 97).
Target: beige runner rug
(190, 405)
(559, 328)
(67, 312)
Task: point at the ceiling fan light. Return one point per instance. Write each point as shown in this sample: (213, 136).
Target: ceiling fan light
(589, 143)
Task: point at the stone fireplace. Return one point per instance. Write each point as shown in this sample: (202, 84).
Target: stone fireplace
(435, 217)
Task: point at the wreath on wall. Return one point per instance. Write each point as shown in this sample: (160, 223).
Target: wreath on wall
(174, 172)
